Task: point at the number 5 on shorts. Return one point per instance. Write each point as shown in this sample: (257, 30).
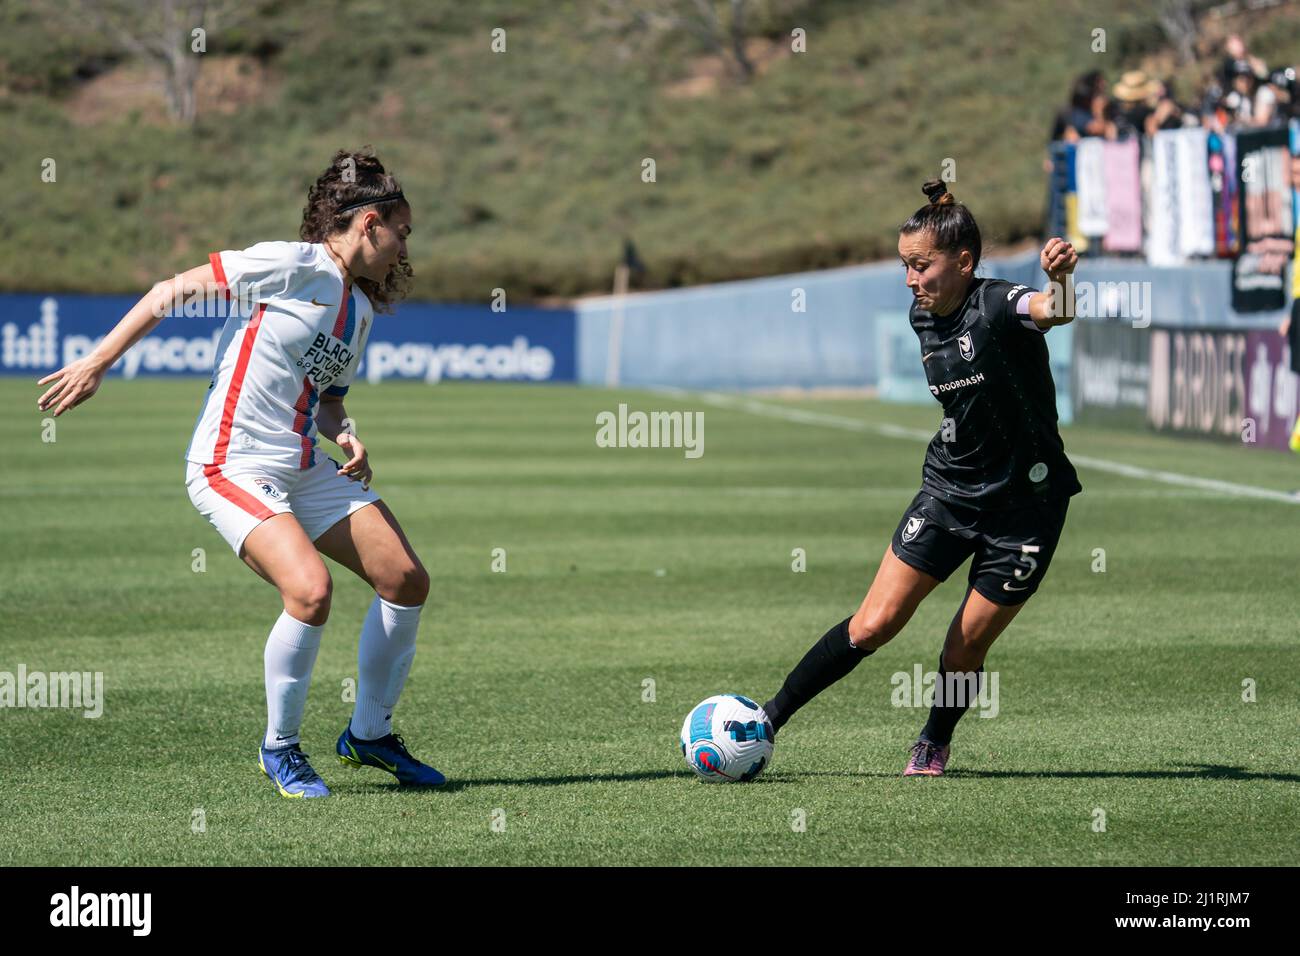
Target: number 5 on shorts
(1027, 551)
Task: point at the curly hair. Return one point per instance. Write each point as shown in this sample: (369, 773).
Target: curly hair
(350, 178)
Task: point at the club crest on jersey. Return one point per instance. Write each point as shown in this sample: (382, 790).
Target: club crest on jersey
(268, 489)
(912, 527)
(966, 346)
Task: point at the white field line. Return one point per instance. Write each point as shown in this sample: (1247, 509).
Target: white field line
(803, 417)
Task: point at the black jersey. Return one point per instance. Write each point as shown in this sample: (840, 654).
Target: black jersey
(998, 446)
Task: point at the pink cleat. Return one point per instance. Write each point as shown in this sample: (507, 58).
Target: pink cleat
(927, 760)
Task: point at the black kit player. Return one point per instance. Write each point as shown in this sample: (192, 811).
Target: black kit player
(995, 484)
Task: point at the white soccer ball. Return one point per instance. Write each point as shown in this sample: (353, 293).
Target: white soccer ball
(727, 739)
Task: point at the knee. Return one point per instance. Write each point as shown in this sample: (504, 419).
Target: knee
(408, 588)
(875, 628)
(309, 598)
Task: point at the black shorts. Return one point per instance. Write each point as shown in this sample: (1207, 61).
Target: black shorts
(1012, 548)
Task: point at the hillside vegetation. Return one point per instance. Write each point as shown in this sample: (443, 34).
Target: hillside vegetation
(524, 168)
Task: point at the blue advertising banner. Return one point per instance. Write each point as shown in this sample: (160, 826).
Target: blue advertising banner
(425, 341)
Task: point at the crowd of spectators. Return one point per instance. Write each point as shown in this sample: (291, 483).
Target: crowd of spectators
(1242, 93)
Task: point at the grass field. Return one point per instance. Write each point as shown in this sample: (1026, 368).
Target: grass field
(1119, 690)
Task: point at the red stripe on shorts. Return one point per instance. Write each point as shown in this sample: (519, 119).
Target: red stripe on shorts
(235, 494)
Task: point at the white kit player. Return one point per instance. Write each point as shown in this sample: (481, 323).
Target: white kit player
(299, 317)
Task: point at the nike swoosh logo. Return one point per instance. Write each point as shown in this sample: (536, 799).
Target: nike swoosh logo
(276, 780)
(1006, 586)
(326, 305)
(390, 767)
(926, 356)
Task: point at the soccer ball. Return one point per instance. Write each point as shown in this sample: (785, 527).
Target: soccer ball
(727, 739)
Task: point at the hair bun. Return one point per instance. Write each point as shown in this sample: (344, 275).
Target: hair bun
(937, 192)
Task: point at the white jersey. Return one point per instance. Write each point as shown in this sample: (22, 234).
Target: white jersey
(304, 333)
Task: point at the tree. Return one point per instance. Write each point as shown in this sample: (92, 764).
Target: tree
(722, 26)
(161, 31)
(1178, 20)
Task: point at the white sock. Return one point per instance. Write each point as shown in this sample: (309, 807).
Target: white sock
(290, 655)
(383, 661)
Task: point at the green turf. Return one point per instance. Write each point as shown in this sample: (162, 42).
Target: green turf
(1118, 690)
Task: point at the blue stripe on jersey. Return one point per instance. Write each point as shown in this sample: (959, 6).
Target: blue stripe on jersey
(351, 323)
(309, 418)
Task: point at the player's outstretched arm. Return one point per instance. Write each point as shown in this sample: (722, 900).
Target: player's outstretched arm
(77, 381)
(1055, 305)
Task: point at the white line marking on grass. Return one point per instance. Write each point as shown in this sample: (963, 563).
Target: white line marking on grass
(845, 423)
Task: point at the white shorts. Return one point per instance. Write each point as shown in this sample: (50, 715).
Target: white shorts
(238, 496)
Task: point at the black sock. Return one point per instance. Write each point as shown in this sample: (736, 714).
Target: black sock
(826, 662)
(945, 713)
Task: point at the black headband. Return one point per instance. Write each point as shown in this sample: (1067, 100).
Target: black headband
(366, 202)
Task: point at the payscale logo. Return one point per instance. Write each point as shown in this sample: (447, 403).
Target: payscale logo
(433, 363)
(75, 908)
(40, 347)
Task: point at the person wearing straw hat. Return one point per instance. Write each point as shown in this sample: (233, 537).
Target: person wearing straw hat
(1136, 93)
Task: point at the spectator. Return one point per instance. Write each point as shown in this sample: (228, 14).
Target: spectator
(1234, 54)
(1249, 102)
(1167, 113)
(1283, 83)
(1085, 114)
(1213, 115)
(1136, 94)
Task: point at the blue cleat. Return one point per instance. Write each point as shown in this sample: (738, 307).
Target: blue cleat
(387, 753)
(291, 773)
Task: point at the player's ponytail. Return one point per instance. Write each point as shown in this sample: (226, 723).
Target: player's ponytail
(950, 223)
(353, 183)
